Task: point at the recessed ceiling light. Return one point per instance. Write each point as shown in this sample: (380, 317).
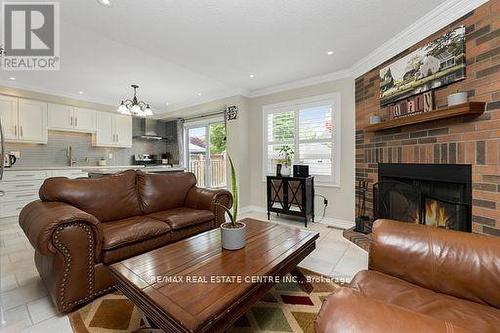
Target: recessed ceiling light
(199, 94)
(12, 78)
(81, 92)
(252, 76)
(106, 3)
(167, 103)
(329, 52)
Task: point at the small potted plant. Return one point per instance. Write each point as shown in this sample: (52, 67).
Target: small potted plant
(286, 152)
(233, 233)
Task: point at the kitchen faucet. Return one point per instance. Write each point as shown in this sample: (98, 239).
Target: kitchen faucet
(69, 155)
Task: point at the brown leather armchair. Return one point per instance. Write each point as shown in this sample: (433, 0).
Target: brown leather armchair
(80, 226)
(420, 279)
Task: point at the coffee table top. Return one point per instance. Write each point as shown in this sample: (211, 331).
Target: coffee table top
(173, 284)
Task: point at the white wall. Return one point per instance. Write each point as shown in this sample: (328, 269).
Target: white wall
(237, 137)
(340, 200)
(245, 146)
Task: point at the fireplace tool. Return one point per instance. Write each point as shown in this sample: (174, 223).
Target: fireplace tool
(361, 218)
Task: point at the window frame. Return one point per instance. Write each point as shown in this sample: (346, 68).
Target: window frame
(334, 99)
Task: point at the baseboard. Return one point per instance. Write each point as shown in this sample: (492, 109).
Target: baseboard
(330, 221)
(337, 223)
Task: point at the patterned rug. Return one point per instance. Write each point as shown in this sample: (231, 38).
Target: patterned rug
(285, 308)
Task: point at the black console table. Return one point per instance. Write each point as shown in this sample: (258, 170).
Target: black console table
(291, 196)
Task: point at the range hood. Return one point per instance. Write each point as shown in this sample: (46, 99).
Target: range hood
(150, 129)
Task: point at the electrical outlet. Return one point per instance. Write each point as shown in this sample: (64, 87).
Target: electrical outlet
(110, 156)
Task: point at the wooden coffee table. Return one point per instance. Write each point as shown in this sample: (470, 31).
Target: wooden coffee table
(173, 284)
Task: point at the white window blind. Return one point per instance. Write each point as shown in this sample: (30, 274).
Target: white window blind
(310, 128)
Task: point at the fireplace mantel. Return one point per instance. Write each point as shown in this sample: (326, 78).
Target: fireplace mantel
(471, 108)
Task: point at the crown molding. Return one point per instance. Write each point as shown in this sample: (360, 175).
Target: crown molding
(205, 99)
(438, 18)
(342, 74)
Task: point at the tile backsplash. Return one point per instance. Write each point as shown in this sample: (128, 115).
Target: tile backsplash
(54, 152)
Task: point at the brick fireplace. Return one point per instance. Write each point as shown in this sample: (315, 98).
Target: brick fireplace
(465, 140)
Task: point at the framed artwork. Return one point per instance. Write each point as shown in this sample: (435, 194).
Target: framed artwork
(436, 64)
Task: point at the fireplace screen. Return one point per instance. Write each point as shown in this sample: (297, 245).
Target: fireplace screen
(443, 214)
(411, 203)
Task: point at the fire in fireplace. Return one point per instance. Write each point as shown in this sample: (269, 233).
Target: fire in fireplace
(438, 195)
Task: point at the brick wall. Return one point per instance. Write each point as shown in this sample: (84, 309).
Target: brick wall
(463, 140)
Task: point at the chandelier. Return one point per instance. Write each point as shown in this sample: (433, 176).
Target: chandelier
(134, 107)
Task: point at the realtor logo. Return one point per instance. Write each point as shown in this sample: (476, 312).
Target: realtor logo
(30, 36)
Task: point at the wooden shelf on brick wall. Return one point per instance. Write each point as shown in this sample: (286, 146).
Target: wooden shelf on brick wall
(470, 108)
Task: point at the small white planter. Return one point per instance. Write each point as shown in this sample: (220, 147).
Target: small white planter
(233, 238)
(286, 171)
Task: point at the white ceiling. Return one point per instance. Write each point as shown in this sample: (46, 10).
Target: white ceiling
(176, 49)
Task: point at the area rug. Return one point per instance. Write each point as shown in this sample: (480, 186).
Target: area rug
(285, 308)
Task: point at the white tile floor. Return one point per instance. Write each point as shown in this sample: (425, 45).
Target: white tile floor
(27, 308)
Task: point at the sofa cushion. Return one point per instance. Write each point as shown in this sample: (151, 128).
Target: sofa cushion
(164, 191)
(107, 198)
(132, 230)
(180, 218)
(459, 312)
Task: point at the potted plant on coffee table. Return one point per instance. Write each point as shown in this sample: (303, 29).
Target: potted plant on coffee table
(233, 233)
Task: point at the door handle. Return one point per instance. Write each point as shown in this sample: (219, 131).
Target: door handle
(71, 121)
(15, 130)
(21, 130)
(76, 121)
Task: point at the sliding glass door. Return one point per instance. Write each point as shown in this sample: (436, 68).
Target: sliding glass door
(206, 152)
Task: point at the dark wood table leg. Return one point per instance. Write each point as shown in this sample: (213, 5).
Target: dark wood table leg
(302, 280)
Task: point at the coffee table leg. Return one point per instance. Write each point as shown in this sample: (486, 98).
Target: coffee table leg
(302, 280)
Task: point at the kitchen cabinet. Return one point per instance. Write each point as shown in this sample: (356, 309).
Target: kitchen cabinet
(68, 118)
(113, 130)
(21, 187)
(8, 115)
(23, 120)
(84, 120)
(32, 121)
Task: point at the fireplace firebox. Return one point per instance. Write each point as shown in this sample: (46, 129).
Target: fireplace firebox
(438, 195)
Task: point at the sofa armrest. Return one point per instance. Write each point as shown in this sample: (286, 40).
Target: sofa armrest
(460, 264)
(348, 311)
(201, 198)
(40, 219)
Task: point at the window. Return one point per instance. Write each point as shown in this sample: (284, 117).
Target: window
(205, 152)
(310, 127)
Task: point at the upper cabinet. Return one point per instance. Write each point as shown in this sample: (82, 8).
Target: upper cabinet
(23, 120)
(68, 118)
(113, 130)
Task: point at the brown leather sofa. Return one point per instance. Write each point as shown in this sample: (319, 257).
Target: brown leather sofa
(420, 279)
(80, 226)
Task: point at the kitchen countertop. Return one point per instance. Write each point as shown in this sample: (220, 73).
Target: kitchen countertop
(109, 171)
(96, 168)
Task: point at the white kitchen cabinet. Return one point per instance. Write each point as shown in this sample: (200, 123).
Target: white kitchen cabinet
(32, 120)
(23, 120)
(84, 120)
(68, 118)
(21, 187)
(8, 116)
(113, 130)
(123, 130)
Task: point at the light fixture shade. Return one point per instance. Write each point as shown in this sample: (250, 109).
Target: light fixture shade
(123, 109)
(136, 109)
(147, 111)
